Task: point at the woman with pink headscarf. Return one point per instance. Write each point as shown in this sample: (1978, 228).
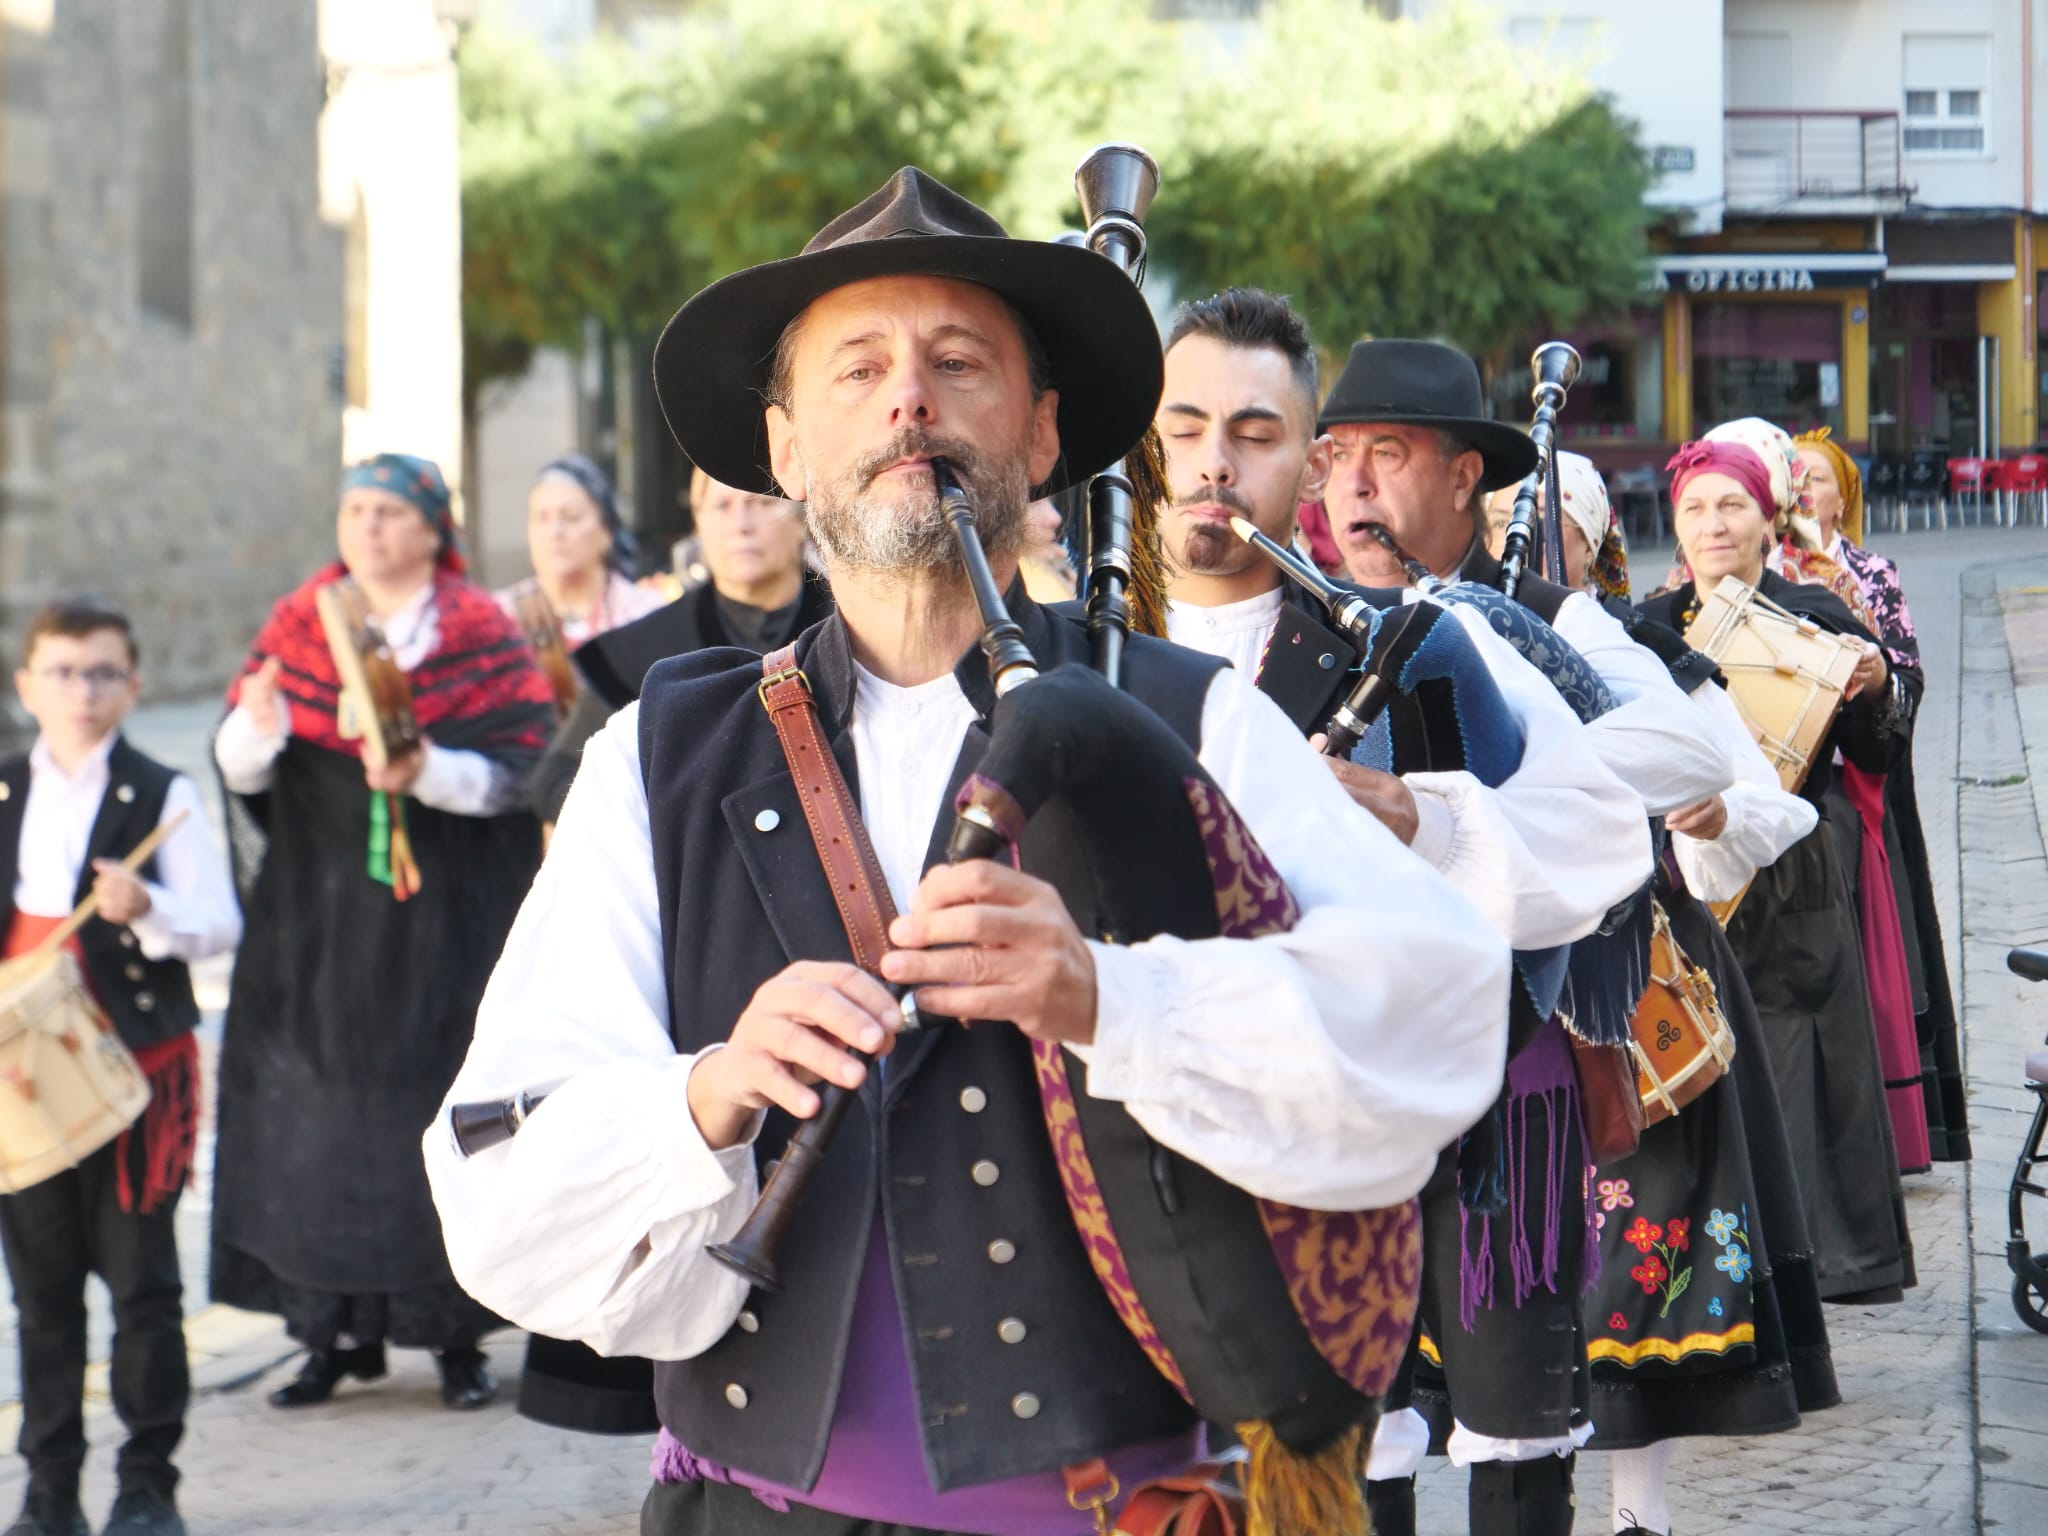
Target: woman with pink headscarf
(1796, 933)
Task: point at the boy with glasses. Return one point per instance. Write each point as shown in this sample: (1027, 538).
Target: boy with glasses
(70, 809)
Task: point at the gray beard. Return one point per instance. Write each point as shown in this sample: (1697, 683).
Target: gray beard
(905, 534)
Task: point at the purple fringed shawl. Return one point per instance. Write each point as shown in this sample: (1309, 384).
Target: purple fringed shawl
(1543, 1070)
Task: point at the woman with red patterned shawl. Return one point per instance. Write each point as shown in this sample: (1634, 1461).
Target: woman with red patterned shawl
(356, 987)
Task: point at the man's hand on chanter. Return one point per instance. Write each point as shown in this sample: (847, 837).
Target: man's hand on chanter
(801, 1027)
(982, 941)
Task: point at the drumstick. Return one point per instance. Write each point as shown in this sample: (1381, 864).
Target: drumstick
(83, 912)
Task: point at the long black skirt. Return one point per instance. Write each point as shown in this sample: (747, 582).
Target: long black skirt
(1706, 1317)
(1795, 938)
(350, 1014)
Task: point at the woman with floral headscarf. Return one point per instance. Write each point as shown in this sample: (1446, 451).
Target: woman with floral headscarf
(357, 983)
(1795, 932)
(1835, 489)
(1706, 1318)
(582, 552)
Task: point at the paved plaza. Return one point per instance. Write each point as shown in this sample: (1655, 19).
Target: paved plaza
(1945, 1423)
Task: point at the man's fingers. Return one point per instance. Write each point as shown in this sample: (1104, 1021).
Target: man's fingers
(976, 880)
(800, 1046)
(971, 1002)
(827, 1009)
(851, 982)
(979, 923)
(770, 1082)
(916, 967)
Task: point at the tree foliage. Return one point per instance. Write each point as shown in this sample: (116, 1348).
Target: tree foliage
(1391, 176)
(1422, 180)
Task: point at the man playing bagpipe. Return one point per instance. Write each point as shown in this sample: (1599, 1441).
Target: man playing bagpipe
(1414, 454)
(960, 1330)
(1547, 850)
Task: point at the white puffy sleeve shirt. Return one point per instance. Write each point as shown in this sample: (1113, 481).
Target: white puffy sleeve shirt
(1763, 820)
(1654, 739)
(1323, 1067)
(1546, 853)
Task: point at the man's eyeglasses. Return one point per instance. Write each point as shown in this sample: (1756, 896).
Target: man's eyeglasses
(100, 679)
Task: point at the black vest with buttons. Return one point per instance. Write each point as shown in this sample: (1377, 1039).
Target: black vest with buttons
(149, 1001)
(1018, 1362)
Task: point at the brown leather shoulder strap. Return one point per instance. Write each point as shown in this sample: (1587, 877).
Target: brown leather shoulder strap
(858, 889)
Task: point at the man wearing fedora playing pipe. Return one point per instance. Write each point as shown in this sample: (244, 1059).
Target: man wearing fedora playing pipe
(1413, 454)
(941, 1348)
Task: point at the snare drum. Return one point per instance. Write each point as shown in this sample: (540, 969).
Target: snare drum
(1680, 1037)
(1785, 673)
(68, 1086)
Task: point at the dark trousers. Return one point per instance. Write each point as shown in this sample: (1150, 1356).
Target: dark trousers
(55, 1234)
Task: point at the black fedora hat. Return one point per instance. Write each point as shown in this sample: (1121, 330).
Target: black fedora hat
(1427, 384)
(712, 362)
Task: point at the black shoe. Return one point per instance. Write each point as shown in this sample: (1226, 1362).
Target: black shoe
(324, 1369)
(50, 1514)
(144, 1512)
(465, 1383)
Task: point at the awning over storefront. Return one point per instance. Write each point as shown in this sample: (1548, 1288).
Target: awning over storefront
(1970, 272)
(1753, 272)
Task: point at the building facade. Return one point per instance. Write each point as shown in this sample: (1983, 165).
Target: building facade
(229, 251)
(1851, 221)
(171, 303)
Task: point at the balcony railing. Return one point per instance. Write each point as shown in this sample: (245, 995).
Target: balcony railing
(1777, 160)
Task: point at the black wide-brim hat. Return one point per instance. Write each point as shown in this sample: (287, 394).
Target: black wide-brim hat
(711, 365)
(1427, 384)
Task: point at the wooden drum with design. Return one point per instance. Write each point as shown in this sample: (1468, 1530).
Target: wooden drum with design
(1679, 1036)
(68, 1086)
(1785, 673)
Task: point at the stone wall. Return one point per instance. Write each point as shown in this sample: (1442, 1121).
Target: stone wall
(172, 310)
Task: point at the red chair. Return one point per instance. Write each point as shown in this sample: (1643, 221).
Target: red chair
(2024, 478)
(1970, 479)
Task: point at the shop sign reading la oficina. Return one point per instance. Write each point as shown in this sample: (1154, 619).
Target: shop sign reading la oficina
(1741, 280)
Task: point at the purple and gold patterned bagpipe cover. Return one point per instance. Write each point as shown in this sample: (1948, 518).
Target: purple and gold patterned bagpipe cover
(1287, 1324)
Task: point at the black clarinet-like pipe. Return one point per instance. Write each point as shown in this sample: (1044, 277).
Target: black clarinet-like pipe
(1353, 616)
(1367, 701)
(1010, 661)
(1351, 613)
(482, 1123)
(1116, 184)
(753, 1250)
(1110, 503)
(1420, 576)
(1556, 368)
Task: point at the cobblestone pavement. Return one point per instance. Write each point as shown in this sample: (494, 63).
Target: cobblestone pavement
(1945, 1427)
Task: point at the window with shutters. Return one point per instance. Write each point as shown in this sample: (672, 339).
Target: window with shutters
(1945, 79)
